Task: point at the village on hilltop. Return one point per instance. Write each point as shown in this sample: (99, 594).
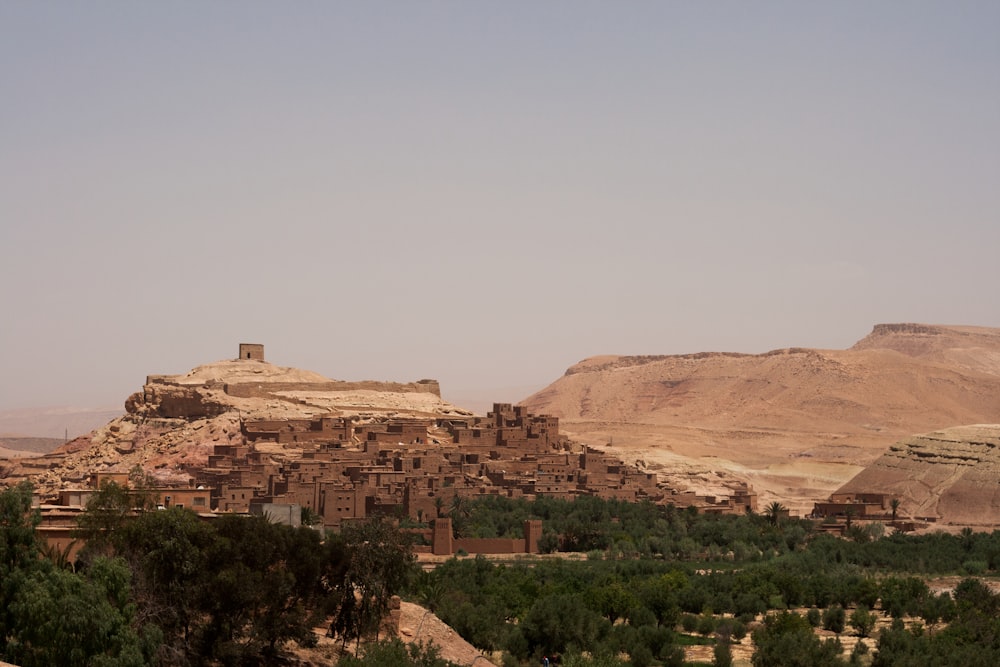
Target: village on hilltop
(344, 469)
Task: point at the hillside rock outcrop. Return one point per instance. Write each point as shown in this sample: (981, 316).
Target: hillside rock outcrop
(173, 424)
(251, 385)
(952, 475)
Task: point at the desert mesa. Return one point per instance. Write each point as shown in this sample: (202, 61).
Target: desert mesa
(796, 423)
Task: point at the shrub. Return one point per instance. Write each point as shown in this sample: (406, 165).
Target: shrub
(833, 619)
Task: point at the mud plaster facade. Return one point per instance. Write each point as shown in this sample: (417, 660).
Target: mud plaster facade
(253, 351)
(344, 469)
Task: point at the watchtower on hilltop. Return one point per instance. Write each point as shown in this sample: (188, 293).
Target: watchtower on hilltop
(251, 351)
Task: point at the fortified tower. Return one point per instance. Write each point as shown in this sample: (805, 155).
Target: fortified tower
(251, 351)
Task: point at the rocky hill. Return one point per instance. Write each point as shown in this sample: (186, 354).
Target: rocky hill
(172, 425)
(797, 422)
(952, 475)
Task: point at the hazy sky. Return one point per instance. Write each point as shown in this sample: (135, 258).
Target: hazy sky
(483, 193)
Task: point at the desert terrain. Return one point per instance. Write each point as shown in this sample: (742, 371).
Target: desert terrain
(796, 423)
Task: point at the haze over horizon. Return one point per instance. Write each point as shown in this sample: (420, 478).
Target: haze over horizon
(483, 194)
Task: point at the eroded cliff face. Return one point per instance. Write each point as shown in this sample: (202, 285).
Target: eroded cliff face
(952, 475)
(175, 401)
(258, 388)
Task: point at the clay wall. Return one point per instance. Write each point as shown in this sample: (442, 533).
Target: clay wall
(61, 539)
(861, 510)
(532, 531)
(473, 436)
(549, 483)
(339, 502)
(251, 351)
(306, 470)
(235, 498)
(419, 503)
(286, 437)
(394, 434)
(489, 545)
(610, 493)
(232, 451)
(880, 499)
(99, 478)
(199, 500)
(441, 543)
(75, 497)
(304, 494)
(263, 390)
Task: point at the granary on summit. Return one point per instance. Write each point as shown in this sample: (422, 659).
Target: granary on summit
(252, 351)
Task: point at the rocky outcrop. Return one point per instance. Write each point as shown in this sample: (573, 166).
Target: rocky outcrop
(242, 384)
(174, 423)
(969, 348)
(177, 401)
(952, 475)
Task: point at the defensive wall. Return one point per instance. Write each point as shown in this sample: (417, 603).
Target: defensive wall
(444, 543)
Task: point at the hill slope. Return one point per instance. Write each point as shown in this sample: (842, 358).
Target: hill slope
(174, 423)
(952, 474)
(796, 422)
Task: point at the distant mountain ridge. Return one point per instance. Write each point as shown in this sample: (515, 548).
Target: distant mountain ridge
(11, 447)
(765, 416)
(57, 422)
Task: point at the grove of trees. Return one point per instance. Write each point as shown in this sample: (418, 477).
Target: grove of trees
(163, 587)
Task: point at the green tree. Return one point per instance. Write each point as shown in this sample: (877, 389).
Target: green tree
(849, 513)
(894, 507)
(722, 652)
(774, 511)
(371, 562)
(19, 550)
(787, 640)
(613, 600)
(833, 618)
(166, 552)
(107, 512)
(393, 653)
(558, 623)
(262, 590)
(18, 520)
(863, 621)
(61, 618)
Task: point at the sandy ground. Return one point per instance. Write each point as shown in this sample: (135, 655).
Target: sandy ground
(696, 460)
(417, 624)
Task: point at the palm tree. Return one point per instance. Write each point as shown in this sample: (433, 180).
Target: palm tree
(850, 511)
(894, 506)
(59, 557)
(774, 512)
(459, 513)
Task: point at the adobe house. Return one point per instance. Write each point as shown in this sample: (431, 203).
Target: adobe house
(253, 351)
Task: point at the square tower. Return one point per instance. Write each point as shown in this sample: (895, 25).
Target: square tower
(251, 351)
